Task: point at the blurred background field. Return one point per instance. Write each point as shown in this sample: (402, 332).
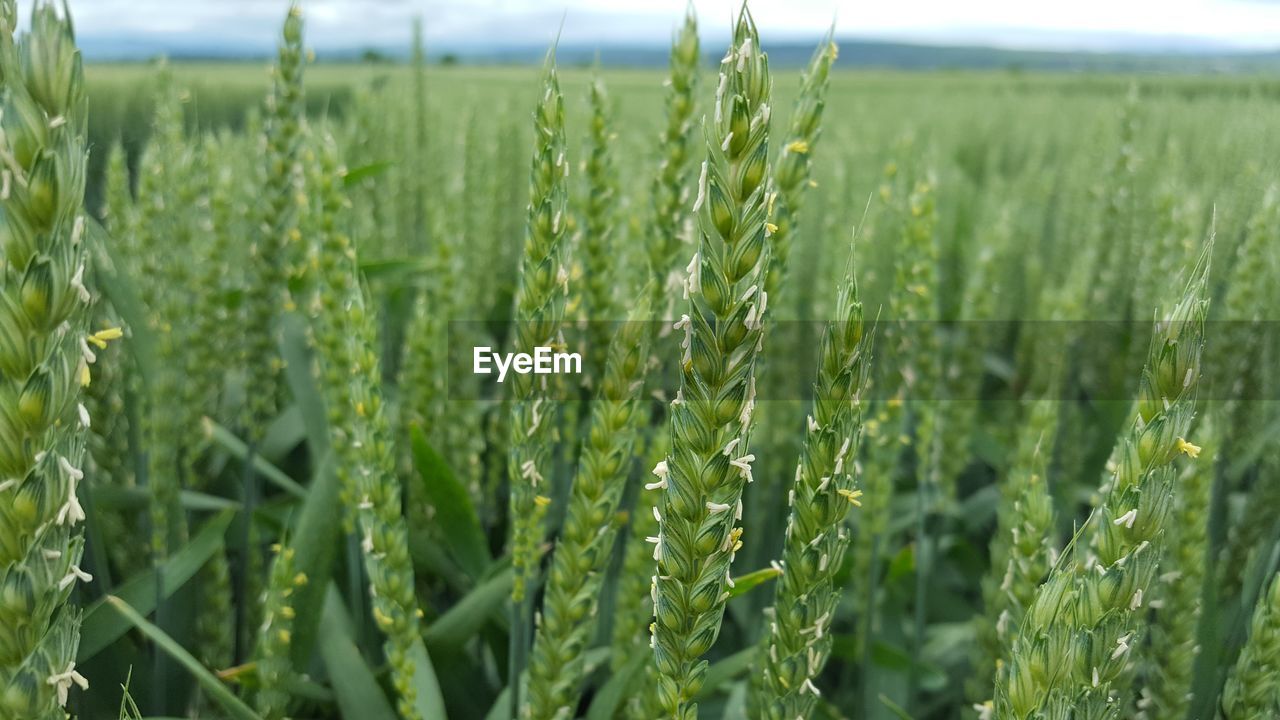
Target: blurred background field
(1201, 138)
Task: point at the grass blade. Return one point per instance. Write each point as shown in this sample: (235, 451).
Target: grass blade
(430, 703)
(298, 372)
(465, 619)
(608, 700)
(236, 447)
(355, 687)
(101, 627)
(746, 583)
(213, 687)
(118, 287)
(455, 513)
(315, 544)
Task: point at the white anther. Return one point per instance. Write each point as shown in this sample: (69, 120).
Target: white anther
(63, 681)
(1126, 519)
(71, 511)
(529, 471)
(693, 269)
(74, 573)
(77, 280)
(1122, 646)
(702, 184)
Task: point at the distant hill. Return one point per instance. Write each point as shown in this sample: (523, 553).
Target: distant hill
(854, 52)
(894, 55)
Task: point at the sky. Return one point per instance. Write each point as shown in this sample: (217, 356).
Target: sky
(452, 24)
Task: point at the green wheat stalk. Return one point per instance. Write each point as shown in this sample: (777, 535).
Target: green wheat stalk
(711, 417)
(600, 256)
(1171, 655)
(670, 190)
(794, 169)
(1073, 648)
(806, 595)
(1252, 689)
(539, 312)
(566, 627)
(1022, 547)
(345, 335)
(273, 665)
(45, 354)
(277, 239)
(169, 233)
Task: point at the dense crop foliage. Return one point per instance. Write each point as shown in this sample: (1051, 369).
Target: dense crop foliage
(926, 396)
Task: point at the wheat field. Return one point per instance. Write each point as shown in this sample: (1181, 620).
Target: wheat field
(901, 395)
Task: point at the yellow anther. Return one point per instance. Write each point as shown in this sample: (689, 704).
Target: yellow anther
(1188, 449)
(851, 495)
(798, 146)
(101, 337)
(735, 538)
(541, 500)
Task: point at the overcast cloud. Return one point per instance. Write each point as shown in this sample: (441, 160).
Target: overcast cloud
(344, 24)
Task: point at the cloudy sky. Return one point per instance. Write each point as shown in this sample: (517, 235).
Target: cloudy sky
(450, 24)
